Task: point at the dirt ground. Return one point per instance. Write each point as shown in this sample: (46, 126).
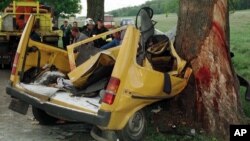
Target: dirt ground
(17, 127)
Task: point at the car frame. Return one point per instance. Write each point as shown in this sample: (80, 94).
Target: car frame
(131, 88)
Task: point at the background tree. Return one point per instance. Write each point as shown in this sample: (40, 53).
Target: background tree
(63, 8)
(4, 4)
(95, 9)
(239, 4)
(203, 40)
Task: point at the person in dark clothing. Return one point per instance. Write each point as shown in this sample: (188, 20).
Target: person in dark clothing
(99, 30)
(89, 28)
(66, 34)
(54, 27)
(34, 35)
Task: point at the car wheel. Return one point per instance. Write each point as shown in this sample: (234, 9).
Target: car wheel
(135, 128)
(43, 117)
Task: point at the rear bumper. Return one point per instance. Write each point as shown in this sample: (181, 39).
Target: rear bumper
(101, 119)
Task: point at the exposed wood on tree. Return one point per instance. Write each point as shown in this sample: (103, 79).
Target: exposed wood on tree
(203, 40)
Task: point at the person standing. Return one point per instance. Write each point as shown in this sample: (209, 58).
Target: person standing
(72, 38)
(78, 36)
(75, 24)
(66, 34)
(99, 30)
(89, 28)
(84, 51)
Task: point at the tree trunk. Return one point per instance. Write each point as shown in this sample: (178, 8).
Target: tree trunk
(203, 40)
(95, 9)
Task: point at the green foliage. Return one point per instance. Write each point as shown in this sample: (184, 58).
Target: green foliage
(159, 7)
(64, 8)
(4, 3)
(239, 4)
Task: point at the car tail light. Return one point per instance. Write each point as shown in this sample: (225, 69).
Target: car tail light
(13, 71)
(111, 90)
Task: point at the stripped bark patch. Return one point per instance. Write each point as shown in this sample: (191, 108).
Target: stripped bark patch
(203, 76)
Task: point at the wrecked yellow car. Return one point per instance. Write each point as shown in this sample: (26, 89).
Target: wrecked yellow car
(107, 88)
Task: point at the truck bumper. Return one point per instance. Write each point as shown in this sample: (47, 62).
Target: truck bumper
(101, 119)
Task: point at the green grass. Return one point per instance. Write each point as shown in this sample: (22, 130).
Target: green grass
(240, 41)
(240, 45)
(245, 104)
(172, 137)
(183, 135)
(163, 23)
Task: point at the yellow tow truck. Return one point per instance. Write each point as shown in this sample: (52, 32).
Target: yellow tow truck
(12, 22)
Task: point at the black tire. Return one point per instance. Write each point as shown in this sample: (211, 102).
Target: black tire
(135, 128)
(43, 117)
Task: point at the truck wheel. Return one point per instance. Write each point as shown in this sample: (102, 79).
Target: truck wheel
(135, 128)
(43, 117)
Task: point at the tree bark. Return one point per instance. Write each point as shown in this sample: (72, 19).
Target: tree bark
(203, 40)
(95, 9)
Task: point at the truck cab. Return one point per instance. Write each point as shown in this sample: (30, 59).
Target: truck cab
(107, 88)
